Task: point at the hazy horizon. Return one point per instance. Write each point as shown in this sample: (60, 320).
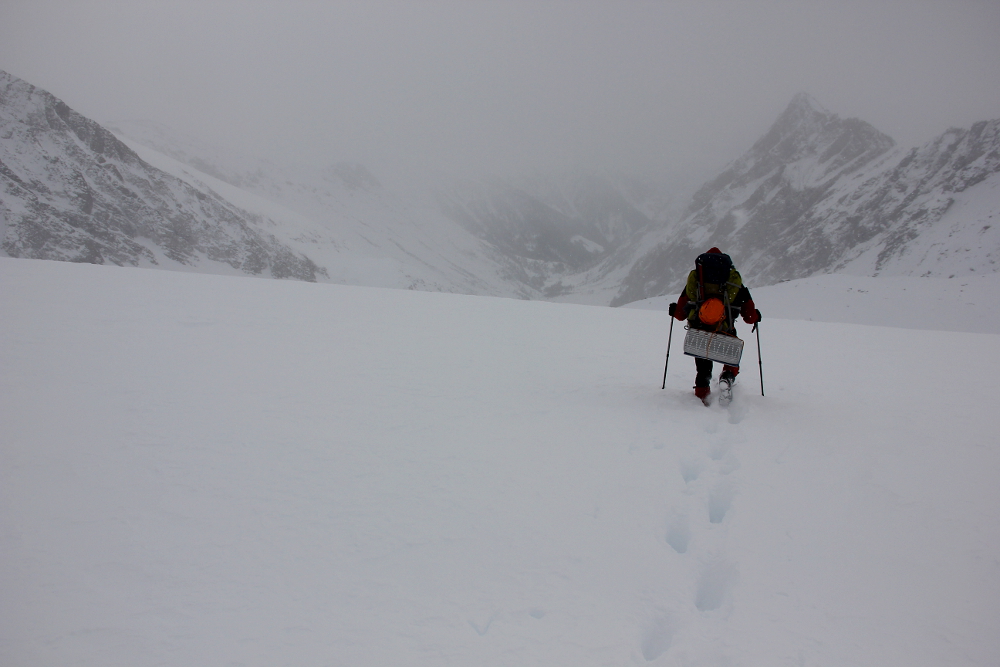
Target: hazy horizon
(655, 88)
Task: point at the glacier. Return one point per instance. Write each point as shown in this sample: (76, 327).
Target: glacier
(205, 469)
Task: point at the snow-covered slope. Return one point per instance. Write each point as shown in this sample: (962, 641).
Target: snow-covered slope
(933, 304)
(817, 194)
(563, 232)
(205, 470)
(935, 213)
(547, 236)
(71, 191)
(820, 194)
(359, 233)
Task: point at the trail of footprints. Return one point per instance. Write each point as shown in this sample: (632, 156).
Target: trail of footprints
(694, 530)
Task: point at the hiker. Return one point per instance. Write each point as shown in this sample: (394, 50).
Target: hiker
(711, 300)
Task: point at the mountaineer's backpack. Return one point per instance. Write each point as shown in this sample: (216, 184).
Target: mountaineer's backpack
(713, 285)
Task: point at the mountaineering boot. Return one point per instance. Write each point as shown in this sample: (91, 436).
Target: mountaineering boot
(702, 393)
(726, 384)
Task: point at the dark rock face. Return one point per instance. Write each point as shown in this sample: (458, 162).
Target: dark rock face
(813, 194)
(71, 191)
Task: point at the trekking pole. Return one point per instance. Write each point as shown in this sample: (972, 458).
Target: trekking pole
(756, 327)
(669, 338)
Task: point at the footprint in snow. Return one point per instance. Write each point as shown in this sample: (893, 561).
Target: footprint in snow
(715, 585)
(690, 470)
(679, 533)
(657, 638)
(720, 500)
(719, 450)
(738, 410)
(483, 625)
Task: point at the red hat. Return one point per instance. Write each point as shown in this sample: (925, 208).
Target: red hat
(715, 250)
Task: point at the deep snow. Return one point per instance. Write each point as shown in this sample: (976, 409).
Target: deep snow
(208, 470)
(963, 304)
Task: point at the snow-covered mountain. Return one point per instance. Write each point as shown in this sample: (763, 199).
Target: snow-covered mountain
(547, 231)
(935, 213)
(816, 194)
(70, 190)
(819, 194)
(557, 227)
(363, 233)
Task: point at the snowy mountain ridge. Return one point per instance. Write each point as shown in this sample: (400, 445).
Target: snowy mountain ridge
(72, 191)
(362, 233)
(555, 228)
(820, 194)
(815, 194)
(542, 229)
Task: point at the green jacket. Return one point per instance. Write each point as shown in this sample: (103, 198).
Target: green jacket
(735, 284)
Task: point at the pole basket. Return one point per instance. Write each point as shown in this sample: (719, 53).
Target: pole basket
(713, 346)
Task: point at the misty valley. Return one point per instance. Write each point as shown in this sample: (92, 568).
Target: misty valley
(816, 194)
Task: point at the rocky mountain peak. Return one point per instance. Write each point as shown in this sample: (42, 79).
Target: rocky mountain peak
(72, 191)
(804, 106)
(805, 129)
(806, 147)
(817, 193)
(43, 112)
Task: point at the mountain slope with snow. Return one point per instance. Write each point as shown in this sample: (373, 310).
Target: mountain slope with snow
(817, 194)
(549, 236)
(368, 237)
(556, 228)
(820, 194)
(71, 191)
(201, 469)
(935, 212)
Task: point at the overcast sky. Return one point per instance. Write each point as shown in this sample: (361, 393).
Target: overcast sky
(502, 87)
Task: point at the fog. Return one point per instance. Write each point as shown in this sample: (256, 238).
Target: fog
(434, 87)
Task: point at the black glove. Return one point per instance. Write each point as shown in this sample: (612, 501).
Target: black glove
(672, 309)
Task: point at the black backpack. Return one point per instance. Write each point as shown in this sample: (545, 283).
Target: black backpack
(713, 271)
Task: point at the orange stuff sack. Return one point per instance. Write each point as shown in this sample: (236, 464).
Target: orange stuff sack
(712, 311)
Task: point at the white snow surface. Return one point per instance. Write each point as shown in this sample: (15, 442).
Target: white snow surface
(210, 470)
(963, 304)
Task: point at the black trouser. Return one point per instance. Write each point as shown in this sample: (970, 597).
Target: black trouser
(704, 368)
